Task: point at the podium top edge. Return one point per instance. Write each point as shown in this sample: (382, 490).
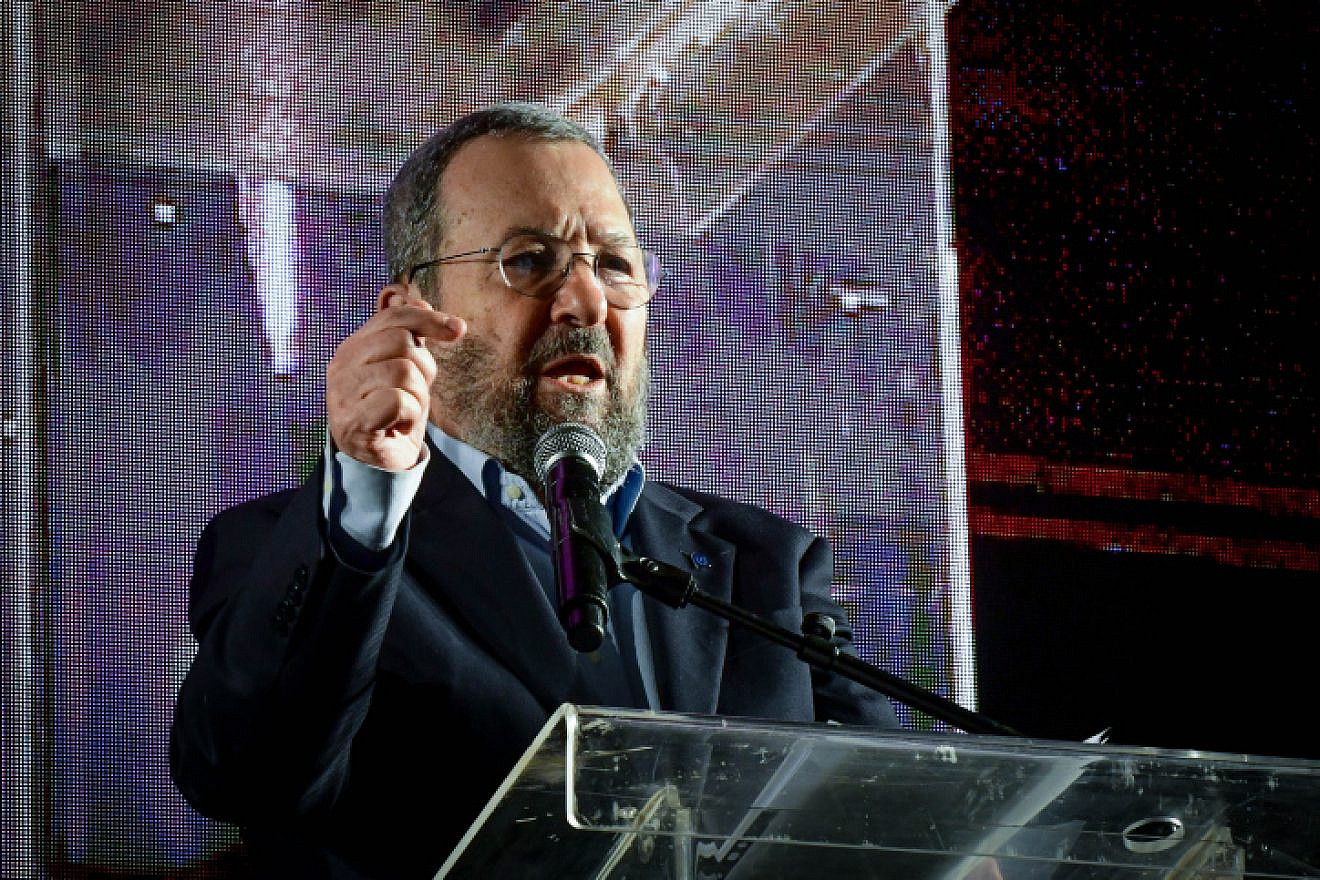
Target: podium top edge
(580, 717)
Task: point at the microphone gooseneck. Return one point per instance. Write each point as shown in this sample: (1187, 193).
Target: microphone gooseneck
(569, 460)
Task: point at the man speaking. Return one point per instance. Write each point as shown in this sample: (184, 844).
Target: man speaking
(377, 647)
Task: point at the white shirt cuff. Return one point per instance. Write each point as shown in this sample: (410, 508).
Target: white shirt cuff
(367, 503)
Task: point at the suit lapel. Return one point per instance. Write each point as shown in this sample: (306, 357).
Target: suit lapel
(462, 552)
(687, 644)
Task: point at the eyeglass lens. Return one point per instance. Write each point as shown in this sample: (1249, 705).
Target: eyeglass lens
(537, 266)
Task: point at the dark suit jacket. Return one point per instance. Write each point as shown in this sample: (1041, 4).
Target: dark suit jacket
(354, 723)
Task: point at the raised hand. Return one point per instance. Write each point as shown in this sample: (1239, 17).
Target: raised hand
(378, 384)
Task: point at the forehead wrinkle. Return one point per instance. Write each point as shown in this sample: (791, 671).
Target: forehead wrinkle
(572, 192)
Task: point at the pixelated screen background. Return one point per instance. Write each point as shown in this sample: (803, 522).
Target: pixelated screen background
(212, 176)
(1034, 317)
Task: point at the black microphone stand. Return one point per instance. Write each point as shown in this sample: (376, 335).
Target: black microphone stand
(814, 645)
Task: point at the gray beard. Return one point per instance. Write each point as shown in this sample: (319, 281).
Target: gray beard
(499, 414)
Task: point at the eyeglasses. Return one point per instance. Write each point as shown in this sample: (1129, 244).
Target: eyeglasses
(537, 265)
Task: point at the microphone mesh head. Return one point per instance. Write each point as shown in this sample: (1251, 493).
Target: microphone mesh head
(569, 438)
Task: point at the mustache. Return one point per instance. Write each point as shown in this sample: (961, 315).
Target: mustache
(560, 341)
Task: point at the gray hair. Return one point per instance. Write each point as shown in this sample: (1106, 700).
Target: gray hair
(413, 219)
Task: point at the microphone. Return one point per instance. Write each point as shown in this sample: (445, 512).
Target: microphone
(569, 460)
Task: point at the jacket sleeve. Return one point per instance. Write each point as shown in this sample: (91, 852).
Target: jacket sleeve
(288, 638)
(837, 698)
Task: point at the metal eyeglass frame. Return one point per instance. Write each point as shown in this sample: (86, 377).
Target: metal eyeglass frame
(592, 259)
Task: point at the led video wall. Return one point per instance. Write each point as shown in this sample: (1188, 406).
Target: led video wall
(211, 231)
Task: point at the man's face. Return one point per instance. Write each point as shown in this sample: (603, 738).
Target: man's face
(526, 364)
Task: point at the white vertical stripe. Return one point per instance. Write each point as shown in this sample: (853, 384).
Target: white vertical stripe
(22, 732)
(963, 686)
(271, 246)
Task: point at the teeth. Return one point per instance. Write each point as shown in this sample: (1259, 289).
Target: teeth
(577, 380)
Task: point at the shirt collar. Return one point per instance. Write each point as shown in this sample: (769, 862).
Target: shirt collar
(507, 488)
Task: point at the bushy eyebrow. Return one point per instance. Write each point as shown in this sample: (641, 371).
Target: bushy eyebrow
(618, 239)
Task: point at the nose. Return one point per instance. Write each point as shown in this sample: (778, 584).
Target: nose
(580, 300)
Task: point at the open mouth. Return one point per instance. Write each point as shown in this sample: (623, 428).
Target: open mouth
(575, 371)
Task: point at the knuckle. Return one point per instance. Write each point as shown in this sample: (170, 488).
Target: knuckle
(399, 372)
(401, 336)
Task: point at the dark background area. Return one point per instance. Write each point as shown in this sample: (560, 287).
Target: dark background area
(1133, 196)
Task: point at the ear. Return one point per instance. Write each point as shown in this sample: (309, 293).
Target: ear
(392, 294)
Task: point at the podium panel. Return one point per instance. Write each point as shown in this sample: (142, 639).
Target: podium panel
(605, 793)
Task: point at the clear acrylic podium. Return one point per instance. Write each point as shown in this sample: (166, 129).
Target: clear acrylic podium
(604, 793)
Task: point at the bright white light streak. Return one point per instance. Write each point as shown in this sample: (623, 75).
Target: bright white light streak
(950, 367)
(23, 740)
(272, 240)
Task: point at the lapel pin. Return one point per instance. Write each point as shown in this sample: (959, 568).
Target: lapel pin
(699, 559)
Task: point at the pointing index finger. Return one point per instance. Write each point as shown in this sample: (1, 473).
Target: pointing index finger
(425, 322)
